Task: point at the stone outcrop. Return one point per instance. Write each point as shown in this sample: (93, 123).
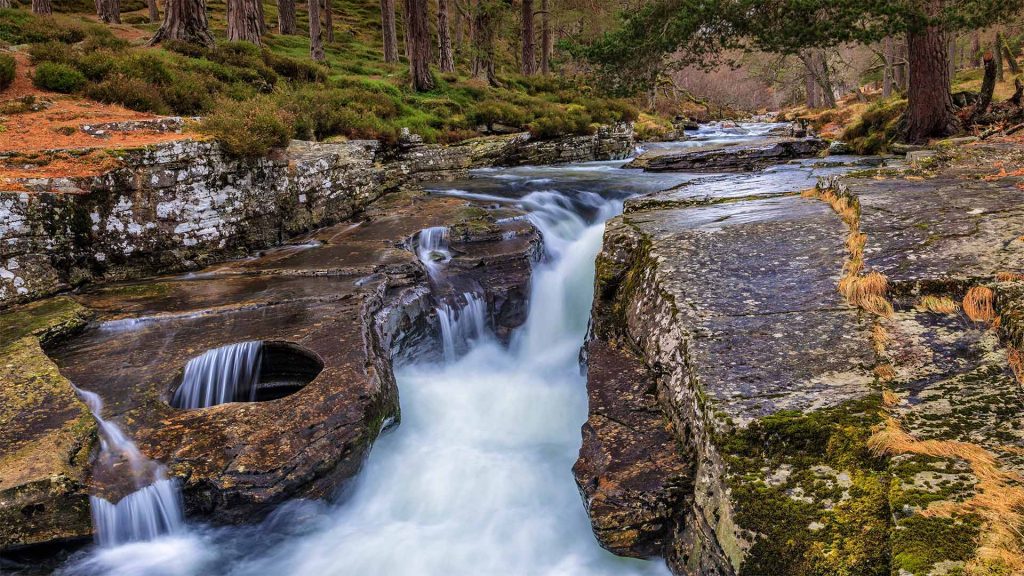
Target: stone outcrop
(814, 437)
(185, 204)
(354, 295)
(740, 157)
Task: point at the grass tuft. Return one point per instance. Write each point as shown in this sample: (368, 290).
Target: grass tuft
(978, 304)
(937, 305)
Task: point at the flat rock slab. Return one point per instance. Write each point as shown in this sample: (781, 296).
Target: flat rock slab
(947, 227)
(755, 282)
(735, 158)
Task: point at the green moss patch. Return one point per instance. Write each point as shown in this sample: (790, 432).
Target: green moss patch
(47, 320)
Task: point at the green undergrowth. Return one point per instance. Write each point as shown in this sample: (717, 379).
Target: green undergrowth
(354, 94)
(808, 486)
(876, 128)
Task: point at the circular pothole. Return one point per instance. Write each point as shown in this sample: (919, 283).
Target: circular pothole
(254, 371)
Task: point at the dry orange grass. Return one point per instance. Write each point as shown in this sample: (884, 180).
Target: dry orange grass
(879, 338)
(890, 398)
(998, 498)
(978, 304)
(937, 304)
(1016, 361)
(885, 373)
(1009, 277)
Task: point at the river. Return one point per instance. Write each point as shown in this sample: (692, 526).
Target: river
(477, 479)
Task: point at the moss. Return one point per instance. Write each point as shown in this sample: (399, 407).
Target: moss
(922, 541)
(807, 522)
(876, 127)
(49, 320)
(137, 291)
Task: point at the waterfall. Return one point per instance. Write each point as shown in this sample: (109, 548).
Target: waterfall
(226, 374)
(463, 321)
(432, 249)
(154, 509)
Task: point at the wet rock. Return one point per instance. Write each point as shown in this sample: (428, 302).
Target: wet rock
(184, 205)
(741, 157)
(352, 294)
(45, 431)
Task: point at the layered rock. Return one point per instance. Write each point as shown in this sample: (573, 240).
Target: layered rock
(353, 295)
(730, 158)
(816, 438)
(185, 204)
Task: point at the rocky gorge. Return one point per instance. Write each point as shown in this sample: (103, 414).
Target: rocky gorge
(787, 371)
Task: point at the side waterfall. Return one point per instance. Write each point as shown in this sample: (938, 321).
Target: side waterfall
(226, 374)
(463, 322)
(432, 249)
(154, 509)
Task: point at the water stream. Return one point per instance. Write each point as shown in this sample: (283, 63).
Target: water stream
(477, 479)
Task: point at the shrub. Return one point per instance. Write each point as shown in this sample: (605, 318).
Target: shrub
(190, 94)
(572, 121)
(96, 65)
(321, 113)
(186, 49)
(492, 112)
(130, 92)
(58, 77)
(295, 69)
(7, 67)
(146, 66)
(250, 128)
(51, 51)
(22, 27)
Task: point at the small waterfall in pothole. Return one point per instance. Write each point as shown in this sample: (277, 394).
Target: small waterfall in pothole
(432, 249)
(463, 320)
(226, 374)
(154, 506)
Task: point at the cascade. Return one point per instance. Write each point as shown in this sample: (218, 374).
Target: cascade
(226, 374)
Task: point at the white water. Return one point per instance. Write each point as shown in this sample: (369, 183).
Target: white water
(463, 321)
(153, 510)
(226, 374)
(432, 249)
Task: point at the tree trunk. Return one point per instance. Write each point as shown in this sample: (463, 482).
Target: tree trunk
(930, 110)
(154, 11)
(109, 11)
(900, 72)
(951, 56)
(184, 20)
(286, 16)
(976, 50)
(483, 38)
(316, 43)
(529, 63)
(545, 38)
(43, 7)
(816, 63)
(1000, 71)
(445, 58)
(261, 19)
(811, 87)
(5, 3)
(988, 85)
(418, 41)
(329, 20)
(1011, 61)
(887, 71)
(387, 20)
(243, 21)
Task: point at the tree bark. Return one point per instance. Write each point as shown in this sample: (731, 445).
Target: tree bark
(316, 43)
(184, 20)
(261, 19)
(445, 58)
(816, 64)
(483, 39)
(418, 42)
(976, 50)
(529, 64)
(389, 31)
(887, 71)
(329, 19)
(545, 38)
(5, 3)
(154, 11)
(930, 110)
(43, 7)
(286, 16)
(1010, 60)
(244, 21)
(988, 85)
(109, 11)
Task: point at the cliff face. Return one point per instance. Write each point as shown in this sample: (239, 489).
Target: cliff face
(185, 204)
(814, 432)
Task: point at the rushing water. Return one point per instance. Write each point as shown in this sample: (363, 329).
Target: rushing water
(226, 374)
(152, 510)
(477, 479)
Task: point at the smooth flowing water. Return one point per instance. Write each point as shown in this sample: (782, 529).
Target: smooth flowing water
(226, 374)
(477, 479)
